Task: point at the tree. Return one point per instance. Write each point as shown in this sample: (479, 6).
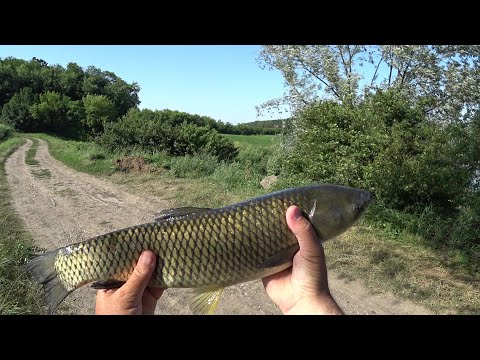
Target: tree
(50, 111)
(444, 78)
(72, 81)
(53, 113)
(123, 95)
(17, 112)
(99, 110)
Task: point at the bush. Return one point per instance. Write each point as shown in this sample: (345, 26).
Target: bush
(334, 144)
(6, 132)
(17, 112)
(386, 145)
(148, 131)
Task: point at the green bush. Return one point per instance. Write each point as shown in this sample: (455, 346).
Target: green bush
(149, 131)
(6, 132)
(334, 144)
(17, 112)
(386, 145)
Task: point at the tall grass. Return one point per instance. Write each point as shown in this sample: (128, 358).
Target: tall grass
(18, 294)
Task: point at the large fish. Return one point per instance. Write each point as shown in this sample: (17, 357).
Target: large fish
(205, 249)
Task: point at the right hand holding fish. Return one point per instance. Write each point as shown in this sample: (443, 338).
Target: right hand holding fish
(303, 288)
(133, 297)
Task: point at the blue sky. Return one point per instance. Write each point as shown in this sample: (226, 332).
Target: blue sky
(220, 81)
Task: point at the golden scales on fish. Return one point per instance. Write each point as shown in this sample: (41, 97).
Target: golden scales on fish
(200, 248)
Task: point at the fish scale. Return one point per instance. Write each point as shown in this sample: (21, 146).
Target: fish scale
(202, 248)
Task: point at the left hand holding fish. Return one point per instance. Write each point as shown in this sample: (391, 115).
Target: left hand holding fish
(133, 297)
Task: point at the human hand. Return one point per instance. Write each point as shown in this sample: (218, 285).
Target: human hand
(133, 297)
(303, 287)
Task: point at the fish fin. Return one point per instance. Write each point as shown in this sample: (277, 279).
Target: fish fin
(281, 257)
(107, 284)
(177, 213)
(205, 300)
(42, 269)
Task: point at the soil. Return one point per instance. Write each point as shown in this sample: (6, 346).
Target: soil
(61, 206)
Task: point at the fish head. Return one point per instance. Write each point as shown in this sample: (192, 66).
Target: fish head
(333, 209)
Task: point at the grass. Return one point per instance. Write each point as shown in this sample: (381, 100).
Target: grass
(405, 268)
(81, 156)
(253, 140)
(30, 155)
(384, 257)
(41, 173)
(18, 294)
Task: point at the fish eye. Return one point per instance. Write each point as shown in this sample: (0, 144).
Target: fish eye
(356, 208)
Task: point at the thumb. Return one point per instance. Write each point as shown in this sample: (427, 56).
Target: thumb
(310, 245)
(137, 282)
(310, 259)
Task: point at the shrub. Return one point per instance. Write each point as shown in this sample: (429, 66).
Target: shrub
(148, 131)
(5, 132)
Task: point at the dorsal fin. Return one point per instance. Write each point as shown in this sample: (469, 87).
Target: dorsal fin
(178, 213)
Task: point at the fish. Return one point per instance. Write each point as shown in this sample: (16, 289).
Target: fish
(206, 249)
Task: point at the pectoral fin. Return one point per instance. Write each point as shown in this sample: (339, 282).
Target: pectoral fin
(205, 300)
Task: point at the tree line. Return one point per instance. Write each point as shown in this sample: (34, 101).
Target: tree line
(77, 103)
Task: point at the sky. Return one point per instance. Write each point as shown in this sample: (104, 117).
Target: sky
(221, 81)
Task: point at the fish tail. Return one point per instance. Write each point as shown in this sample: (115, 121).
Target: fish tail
(42, 269)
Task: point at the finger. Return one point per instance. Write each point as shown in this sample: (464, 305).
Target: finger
(141, 275)
(308, 240)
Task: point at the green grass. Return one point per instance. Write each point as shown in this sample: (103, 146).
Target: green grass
(30, 155)
(41, 173)
(375, 251)
(81, 156)
(253, 140)
(18, 294)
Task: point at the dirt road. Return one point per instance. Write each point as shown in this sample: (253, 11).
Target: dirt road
(60, 206)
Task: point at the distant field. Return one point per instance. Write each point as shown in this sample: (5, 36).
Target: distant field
(254, 140)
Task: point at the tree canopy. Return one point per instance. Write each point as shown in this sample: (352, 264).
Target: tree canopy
(444, 78)
(36, 96)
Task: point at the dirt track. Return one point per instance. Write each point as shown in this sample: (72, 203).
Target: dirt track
(63, 206)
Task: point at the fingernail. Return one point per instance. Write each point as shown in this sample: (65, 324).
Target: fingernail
(146, 259)
(297, 214)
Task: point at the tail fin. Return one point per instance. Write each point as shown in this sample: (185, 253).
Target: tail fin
(43, 271)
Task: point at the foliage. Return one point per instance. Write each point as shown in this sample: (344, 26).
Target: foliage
(385, 144)
(99, 110)
(445, 78)
(6, 132)
(17, 112)
(158, 131)
(70, 102)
